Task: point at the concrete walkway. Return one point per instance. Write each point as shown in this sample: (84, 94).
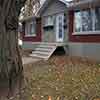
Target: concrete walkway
(28, 60)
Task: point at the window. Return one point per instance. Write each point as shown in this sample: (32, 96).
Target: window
(49, 21)
(87, 21)
(78, 22)
(30, 29)
(97, 19)
(65, 20)
(60, 18)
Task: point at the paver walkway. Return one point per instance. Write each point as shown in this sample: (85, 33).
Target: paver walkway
(27, 60)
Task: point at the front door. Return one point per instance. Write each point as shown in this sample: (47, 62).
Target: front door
(60, 28)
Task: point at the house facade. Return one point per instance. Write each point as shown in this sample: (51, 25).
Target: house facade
(84, 29)
(49, 25)
(53, 15)
(75, 25)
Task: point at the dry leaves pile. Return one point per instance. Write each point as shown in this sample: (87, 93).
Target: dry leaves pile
(62, 78)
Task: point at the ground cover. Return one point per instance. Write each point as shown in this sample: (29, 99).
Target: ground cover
(61, 78)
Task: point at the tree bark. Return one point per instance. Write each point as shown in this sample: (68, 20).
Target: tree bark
(10, 61)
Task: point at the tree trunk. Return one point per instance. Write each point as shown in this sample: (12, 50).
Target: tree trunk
(10, 61)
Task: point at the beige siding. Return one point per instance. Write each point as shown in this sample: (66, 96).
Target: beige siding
(54, 7)
(50, 36)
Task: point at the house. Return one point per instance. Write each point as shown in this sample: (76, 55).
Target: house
(84, 29)
(74, 26)
(52, 27)
(48, 28)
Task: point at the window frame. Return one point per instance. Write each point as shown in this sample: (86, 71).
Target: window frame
(93, 32)
(28, 30)
(95, 18)
(49, 21)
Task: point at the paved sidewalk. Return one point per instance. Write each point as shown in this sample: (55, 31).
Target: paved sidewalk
(27, 60)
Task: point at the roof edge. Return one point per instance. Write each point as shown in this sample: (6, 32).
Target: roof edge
(27, 18)
(45, 5)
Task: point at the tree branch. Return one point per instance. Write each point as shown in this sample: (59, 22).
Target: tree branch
(19, 5)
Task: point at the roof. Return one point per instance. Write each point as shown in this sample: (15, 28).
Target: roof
(84, 4)
(27, 18)
(45, 4)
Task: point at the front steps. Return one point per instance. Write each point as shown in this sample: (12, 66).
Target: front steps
(44, 51)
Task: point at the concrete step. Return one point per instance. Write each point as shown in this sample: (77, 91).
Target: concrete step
(43, 51)
(39, 56)
(40, 52)
(46, 46)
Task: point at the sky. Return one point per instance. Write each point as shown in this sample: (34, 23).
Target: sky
(44, 0)
(66, 0)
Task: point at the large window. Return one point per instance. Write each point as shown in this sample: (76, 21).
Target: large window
(30, 29)
(87, 21)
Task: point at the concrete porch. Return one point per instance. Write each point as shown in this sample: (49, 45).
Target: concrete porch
(44, 50)
(51, 43)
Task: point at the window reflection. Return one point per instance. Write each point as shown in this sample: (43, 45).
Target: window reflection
(97, 19)
(86, 20)
(78, 21)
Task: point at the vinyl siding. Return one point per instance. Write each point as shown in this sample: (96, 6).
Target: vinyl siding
(54, 7)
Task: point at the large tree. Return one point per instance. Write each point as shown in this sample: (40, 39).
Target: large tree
(10, 61)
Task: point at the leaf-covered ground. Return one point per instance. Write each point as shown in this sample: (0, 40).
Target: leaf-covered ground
(61, 78)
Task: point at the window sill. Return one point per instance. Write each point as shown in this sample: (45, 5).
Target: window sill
(30, 35)
(87, 33)
(50, 25)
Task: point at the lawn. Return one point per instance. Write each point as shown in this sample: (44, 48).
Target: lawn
(62, 78)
